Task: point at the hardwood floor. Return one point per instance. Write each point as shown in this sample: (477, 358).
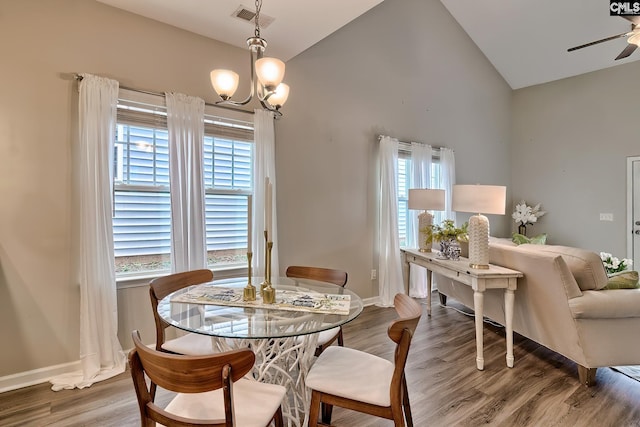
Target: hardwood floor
(445, 388)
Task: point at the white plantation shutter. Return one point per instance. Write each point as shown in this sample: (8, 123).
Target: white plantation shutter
(142, 214)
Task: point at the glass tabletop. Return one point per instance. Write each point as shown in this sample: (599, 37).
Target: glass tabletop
(254, 323)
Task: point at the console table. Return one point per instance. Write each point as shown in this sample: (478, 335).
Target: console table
(495, 277)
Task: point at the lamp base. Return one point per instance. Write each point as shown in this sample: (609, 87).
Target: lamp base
(479, 242)
(479, 266)
(425, 219)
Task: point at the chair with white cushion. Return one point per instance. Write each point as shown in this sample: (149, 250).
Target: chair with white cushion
(211, 390)
(191, 343)
(363, 382)
(337, 277)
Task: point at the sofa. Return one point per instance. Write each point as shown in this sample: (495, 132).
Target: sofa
(560, 303)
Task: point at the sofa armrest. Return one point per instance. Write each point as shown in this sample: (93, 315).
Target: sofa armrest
(606, 304)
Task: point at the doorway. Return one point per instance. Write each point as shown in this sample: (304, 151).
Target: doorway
(633, 210)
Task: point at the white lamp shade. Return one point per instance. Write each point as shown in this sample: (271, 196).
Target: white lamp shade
(270, 72)
(280, 96)
(426, 199)
(486, 199)
(224, 82)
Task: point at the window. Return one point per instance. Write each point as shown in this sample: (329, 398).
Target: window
(142, 210)
(404, 182)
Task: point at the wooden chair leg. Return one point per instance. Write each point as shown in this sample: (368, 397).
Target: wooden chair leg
(277, 418)
(406, 404)
(326, 413)
(314, 409)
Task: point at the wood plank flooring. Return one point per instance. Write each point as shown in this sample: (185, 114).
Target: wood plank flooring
(445, 388)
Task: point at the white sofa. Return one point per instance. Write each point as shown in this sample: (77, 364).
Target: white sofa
(559, 304)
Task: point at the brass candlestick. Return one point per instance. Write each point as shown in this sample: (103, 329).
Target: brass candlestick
(268, 293)
(267, 261)
(249, 290)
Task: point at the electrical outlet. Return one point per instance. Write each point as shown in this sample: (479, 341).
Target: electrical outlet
(606, 217)
(374, 274)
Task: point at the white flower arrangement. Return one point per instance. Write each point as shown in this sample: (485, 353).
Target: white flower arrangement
(525, 215)
(614, 265)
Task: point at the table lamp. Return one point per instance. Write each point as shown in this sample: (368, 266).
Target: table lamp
(425, 199)
(480, 199)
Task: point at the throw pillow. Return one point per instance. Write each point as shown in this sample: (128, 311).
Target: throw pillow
(520, 239)
(623, 280)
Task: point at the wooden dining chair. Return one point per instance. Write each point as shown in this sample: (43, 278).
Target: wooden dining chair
(363, 382)
(191, 343)
(337, 277)
(211, 390)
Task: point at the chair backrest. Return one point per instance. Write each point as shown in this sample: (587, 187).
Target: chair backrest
(409, 313)
(401, 332)
(337, 277)
(185, 374)
(160, 287)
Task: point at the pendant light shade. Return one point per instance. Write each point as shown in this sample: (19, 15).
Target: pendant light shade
(280, 96)
(270, 72)
(224, 82)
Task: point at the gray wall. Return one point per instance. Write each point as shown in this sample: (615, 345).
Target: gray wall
(43, 42)
(405, 69)
(570, 142)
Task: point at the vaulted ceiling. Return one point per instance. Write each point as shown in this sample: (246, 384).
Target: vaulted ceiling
(525, 40)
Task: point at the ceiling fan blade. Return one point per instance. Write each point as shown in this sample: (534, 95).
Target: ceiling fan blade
(597, 42)
(627, 51)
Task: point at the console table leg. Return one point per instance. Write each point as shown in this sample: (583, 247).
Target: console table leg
(509, 297)
(429, 276)
(478, 307)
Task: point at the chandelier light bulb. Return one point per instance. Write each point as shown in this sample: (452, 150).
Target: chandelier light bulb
(224, 82)
(279, 96)
(270, 72)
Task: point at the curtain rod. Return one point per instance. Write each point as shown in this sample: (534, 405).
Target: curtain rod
(78, 77)
(435, 147)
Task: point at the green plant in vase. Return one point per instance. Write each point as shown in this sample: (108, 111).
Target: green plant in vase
(447, 234)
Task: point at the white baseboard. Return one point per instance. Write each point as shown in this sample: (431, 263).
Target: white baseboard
(370, 301)
(36, 376)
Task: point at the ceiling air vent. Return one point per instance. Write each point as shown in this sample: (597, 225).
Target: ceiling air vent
(246, 14)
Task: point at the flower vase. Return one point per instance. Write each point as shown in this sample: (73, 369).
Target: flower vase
(522, 229)
(454, 250)
(444, 248)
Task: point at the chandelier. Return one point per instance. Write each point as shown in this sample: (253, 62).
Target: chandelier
(268, 87)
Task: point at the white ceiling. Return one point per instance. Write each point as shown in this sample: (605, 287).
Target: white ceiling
(525, 40)
(297, 25)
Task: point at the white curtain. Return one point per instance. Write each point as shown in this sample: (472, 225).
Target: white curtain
(390, 266)
(264, 167)
(185, 124)
(101, 354)
(419, 177)
(447, 180)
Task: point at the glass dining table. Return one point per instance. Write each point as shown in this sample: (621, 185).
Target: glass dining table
(283, 338)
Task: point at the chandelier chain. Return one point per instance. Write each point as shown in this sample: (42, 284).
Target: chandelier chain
(258, 6)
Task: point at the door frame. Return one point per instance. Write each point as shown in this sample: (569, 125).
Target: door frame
(630, 218)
